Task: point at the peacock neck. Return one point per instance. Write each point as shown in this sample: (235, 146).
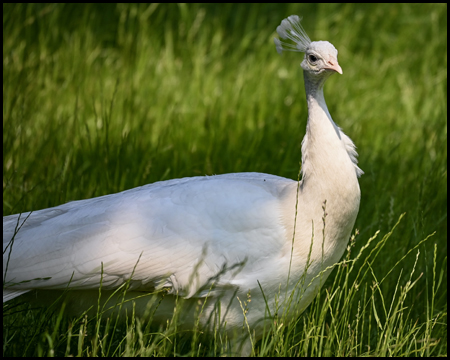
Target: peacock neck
(327, 169)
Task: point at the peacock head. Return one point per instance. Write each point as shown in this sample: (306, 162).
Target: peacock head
(320, 56)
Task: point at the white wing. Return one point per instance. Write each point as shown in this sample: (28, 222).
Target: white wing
(166, 231)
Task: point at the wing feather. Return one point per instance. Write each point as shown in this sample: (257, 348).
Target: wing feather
(164, 231)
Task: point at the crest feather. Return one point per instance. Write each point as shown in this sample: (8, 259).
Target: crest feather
(290, 28)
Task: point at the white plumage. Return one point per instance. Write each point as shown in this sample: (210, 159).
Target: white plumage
(180, 234)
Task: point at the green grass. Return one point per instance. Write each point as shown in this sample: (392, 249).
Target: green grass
(102, 98)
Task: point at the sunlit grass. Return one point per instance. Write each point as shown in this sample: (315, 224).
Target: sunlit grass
(99, 99)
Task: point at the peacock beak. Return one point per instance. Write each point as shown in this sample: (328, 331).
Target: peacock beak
(333, 65)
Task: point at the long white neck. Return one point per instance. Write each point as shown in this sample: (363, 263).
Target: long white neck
(329, 173)
(329, 170)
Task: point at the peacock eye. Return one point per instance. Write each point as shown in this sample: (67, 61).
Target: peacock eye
(312, 58)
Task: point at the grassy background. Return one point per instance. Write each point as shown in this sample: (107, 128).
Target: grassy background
(102, 98)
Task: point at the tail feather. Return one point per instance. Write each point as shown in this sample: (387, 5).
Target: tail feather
(11, 294)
